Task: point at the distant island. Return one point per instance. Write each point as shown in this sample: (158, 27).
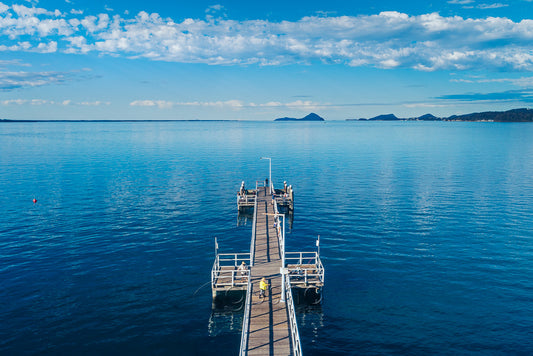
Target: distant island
(311, 117)
(515, 115)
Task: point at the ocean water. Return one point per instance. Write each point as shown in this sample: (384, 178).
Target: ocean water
(426, 234)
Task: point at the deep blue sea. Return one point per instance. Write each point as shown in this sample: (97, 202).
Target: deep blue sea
(426, 233)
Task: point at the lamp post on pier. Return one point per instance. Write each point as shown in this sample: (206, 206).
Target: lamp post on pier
(283, 268)
(269, 172)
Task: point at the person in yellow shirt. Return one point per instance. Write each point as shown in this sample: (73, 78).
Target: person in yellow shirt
(263, 285)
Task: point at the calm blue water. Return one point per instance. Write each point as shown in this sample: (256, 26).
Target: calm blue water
(426, 233)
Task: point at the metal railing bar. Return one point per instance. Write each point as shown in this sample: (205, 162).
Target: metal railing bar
(246, 320)
(295, 335)
(252, 244)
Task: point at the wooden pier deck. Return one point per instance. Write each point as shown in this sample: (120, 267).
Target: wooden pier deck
(269, 332)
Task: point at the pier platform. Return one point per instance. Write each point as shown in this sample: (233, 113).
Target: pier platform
(284, 198)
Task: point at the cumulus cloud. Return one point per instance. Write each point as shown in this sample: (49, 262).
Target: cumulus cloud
(387, 40)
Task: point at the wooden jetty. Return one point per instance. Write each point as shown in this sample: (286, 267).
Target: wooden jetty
(269, 323)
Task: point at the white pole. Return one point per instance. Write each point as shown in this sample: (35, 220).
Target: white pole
(283, 261)
(270, 173)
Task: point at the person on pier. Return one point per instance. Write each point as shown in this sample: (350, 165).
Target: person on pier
(263, 286)
(242, 269)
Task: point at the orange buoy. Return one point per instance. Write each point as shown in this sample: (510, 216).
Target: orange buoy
(34, 200)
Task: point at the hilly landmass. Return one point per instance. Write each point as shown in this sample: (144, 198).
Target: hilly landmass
(311, 117)
(515, 115)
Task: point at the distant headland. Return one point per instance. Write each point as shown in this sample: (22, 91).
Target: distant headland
(311, 117)
(515, 115)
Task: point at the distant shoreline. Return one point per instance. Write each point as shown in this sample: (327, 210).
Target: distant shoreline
(142, 120)
(514, 115)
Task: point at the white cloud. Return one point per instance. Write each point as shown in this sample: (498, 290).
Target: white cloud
(491, 6)
(215, 10)
(46, 47)
(217, 7)
(524, 82)
(14, 101)
(94, 103)
(162, 104)
(298, 104)
(12, 80)
(460, 2)
(13, 62)
(36, 102)
(16, 80)
(389, 39)
(24, 11)
(231, 104)
(424, 105)
(390, 63)
(33, 102)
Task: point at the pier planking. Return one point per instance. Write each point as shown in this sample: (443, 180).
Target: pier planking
(269, 332)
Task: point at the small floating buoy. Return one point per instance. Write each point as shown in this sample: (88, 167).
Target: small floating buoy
(34, 200)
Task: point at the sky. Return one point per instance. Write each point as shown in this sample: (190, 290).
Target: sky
(252, 60)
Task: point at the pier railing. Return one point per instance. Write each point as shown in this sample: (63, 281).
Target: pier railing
(277, 220)
(246, 199)
(246, 320)
(295, 335)
(252, 245)
(305, 265)
(225, 270)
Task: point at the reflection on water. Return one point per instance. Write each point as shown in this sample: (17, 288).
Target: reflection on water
(228, 308)
(227, 313)
(221, 322)
(310, 318)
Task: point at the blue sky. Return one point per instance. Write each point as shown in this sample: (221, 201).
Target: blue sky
(249, 60)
